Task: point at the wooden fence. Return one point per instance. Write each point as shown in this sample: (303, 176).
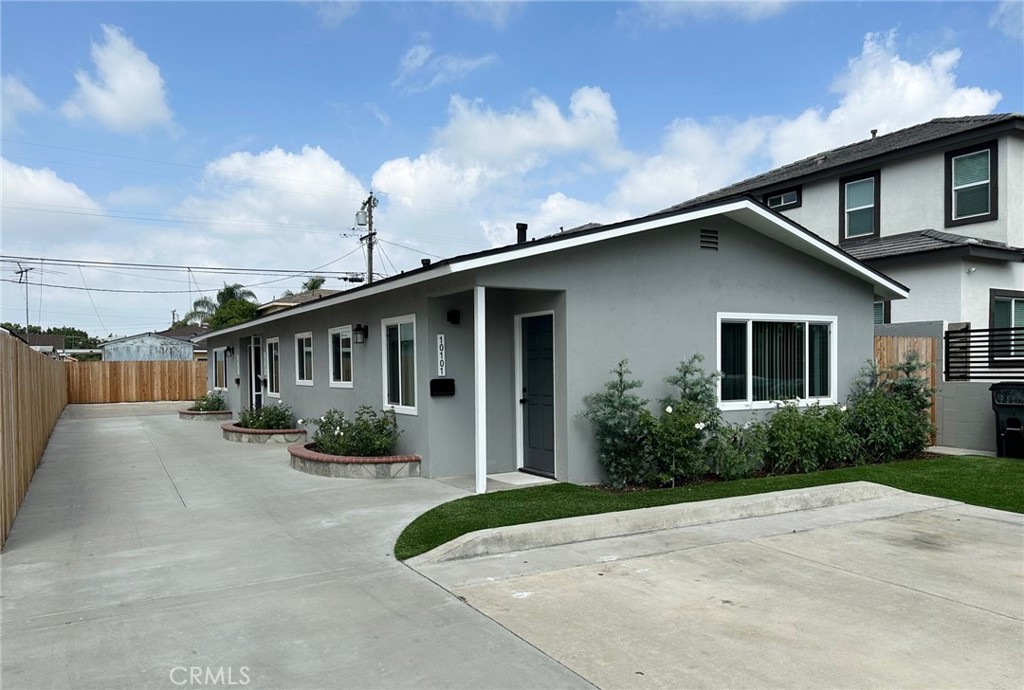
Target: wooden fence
(109, 382)
(33, 393)
(893, 349)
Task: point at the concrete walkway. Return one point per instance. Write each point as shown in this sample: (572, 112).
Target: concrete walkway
(150, 553)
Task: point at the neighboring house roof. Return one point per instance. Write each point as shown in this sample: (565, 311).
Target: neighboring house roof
(55, 341)
(744, 211)
(922, 241)
(288, 301)
(184, 332)
(907, 141)
(148, 334)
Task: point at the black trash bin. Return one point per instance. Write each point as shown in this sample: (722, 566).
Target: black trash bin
(1008, 403)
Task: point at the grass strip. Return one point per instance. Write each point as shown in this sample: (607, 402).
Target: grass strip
(983, 481)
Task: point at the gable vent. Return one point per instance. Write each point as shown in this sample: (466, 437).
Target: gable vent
(709, 240)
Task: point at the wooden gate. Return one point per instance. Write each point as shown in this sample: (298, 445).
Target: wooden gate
(893, 349)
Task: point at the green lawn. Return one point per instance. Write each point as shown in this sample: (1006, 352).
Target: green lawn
(991, 482)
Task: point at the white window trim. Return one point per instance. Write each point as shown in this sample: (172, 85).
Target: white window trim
(223, 351)
(987, 181)
(298, 353)
(749, 404)
(266, 361)
(395, 321)
(343, 331)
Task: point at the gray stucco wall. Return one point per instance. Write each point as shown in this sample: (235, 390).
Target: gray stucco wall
(147, 348)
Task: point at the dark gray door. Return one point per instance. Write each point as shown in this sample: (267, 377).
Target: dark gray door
(256, 372)
(538, 395)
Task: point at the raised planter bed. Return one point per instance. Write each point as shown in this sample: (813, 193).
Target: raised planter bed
(304, 459)
(209, 416)
(240, 434)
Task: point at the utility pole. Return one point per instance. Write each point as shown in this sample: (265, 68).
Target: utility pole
(365, 217)
(23, 278)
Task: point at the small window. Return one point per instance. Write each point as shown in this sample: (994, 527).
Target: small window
(341, 356)
(783, 200)
(399, 361)
(971, 186)
(858, 206)
(765, 359)
(220, 369)
(274, 367)
(883, 312)
(304, 359)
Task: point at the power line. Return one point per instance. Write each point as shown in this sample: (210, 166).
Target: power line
(98, 317)
(9, 258)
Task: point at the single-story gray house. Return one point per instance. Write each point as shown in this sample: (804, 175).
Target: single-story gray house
(486, 357)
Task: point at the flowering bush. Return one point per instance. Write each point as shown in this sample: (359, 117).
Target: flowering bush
(817, 438)
(370, 434)
(211, 402)
(735, 451)
(278, 416)
(890, 410)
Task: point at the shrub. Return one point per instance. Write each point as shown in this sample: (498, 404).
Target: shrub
(890, 410)
(679, 442)
(817, 438)
(624, 429)
(736, 451)
(211, 402)
(370, 434)
(277, 416)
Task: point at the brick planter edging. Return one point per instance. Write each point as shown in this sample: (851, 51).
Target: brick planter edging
(305, 459)
(239, 434)
(207, 415)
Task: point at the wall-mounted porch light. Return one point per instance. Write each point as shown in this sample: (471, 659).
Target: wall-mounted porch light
(229, 351)
(360, 332)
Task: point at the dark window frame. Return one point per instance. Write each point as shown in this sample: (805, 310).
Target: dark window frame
(782, 207)
(993, 184)
(993, 295)
(876, 175)
(886, 311)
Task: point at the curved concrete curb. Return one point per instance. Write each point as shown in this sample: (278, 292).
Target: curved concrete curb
(305, 459)
(569, 530)
(240, 434)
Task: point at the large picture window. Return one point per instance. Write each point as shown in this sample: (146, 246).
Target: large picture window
(304, 359)
(399, 362)
(220, 368)
(971, 185)
(767, 358)
(274, 367)
(341, 356)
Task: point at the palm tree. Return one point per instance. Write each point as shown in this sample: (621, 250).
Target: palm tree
(204, 308)
(313, 283)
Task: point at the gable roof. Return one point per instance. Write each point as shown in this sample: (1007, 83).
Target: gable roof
(934, 133)
(184, 332)
(285, 301)
(190, 341)
(746, 212)
(921, 241)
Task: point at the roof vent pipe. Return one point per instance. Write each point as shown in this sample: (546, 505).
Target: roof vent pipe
(874, 133)
(424, 262)
(521, 232)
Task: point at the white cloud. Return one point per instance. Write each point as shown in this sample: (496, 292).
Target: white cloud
(1008, 17)
(421, 69)
(127, 94)
(497, 13)
(553, 214)
(669, 13)
(38, 203)
(16, 99)
(525, 139)
(333, 13)
(880, 90)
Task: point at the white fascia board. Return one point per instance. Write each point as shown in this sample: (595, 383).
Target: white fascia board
(333, 300)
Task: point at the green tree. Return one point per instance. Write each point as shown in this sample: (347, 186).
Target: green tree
(313, 283)
(233, 312)
(204, 309)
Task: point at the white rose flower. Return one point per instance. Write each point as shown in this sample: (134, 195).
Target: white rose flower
(301, 422)
(668, 409)
(699, 426)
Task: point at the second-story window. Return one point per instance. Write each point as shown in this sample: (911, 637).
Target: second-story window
(858, 206)
(971, 185)
(780, 201)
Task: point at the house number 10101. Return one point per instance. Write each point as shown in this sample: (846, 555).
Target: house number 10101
(442, 364)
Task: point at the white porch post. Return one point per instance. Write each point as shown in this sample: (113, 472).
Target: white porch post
(480, 384)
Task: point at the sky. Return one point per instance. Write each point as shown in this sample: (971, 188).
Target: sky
(247, 135)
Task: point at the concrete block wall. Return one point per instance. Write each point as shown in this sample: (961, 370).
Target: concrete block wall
(966, 416)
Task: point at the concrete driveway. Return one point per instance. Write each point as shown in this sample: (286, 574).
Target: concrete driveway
(874, 588)
(149, 553)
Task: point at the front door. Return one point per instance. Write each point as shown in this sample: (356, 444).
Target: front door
(538, 394)
(256, 372)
